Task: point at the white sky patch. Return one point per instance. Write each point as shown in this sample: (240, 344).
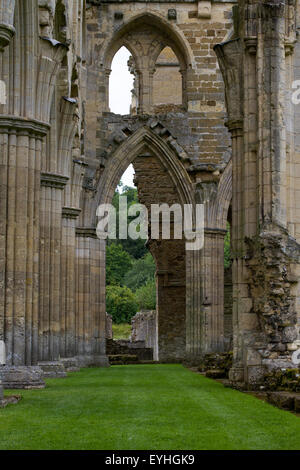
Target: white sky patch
(120, 83)
(120, 86)
(127, 178)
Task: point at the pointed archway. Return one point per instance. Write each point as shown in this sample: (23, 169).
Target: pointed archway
(161, 178)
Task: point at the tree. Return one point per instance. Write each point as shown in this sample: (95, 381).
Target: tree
(120, 304)
(136, 248)
(141, 272)
(146, 296)
(118, 262)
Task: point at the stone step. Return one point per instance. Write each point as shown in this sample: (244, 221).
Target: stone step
(119, 359)
(53, 369)
(70, 364)
(18, 377)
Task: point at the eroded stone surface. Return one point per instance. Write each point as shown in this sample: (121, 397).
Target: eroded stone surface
(15, 377)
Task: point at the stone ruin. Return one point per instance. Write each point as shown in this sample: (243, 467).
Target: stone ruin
(142, 344)
(229, 140)
(144, 328)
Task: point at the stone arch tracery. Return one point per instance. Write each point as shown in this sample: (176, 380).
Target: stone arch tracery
(145, 53)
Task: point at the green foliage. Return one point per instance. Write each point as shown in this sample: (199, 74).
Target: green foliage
(142, 270)
(121, 331)
(227, 248)
(146, 296)
(136, 248)
(128, 264)
(118, 262)
(120, 304)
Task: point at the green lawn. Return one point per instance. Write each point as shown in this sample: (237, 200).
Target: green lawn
(146, 407)
(121, 331)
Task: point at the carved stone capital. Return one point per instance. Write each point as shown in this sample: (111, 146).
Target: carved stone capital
(230, 57)
(87, 232)
(206, 191)
(70, 212)
(54, 180)
(22, 126)
(6, 34)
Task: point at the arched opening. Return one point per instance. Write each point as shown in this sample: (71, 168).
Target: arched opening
(122, 86)
(167, 80)
(160, 178)
(147, 37)
(130, 283)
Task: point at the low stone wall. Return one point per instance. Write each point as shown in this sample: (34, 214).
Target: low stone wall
(144, 328)
(108, 327)
(216, 366)
(17, 377)
(126, 347)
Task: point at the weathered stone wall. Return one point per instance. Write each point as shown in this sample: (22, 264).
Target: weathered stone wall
(63, 152)
(144, 328)
(108, 327)
(167, 79)
(257, 66)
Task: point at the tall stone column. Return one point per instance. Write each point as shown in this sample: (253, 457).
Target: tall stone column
(70, 214)
(170, 261)
(213, 289)
(205, 273)
(266, 257)
(54, 178)
(68, 292)
(90, 298)
(194, 317)
(7, 31)
(145, 79)
(24, 123)
(52, 186)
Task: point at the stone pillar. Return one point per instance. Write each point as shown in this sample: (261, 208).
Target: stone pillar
(90, 298)
(170, 260)
(21, 145)
(194, 317)
(24, 123)
(7, 31)
(205, 274)
(50, 312)
(68, 320)
(145, 80)
(213, 290)
(266, 257)
(52, 325)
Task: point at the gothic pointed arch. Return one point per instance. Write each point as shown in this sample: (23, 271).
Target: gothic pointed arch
(141, 141)
(172, 35)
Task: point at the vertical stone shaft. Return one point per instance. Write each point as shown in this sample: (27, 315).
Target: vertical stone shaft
(90, 288)
(194, 317)
(22, 235)
(213, 301)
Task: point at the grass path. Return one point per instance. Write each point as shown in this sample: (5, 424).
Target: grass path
(148, 407)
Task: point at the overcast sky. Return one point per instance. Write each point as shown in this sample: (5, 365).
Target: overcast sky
(120, 86)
